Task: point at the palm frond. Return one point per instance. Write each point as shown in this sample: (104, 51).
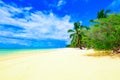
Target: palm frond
(91, 20)
(76, 25)
(70, 30)
(72, 35)
(73, 41)
(86, 27)
(107, 11)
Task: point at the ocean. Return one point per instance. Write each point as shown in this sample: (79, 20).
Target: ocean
(12, 51)
(9, 51)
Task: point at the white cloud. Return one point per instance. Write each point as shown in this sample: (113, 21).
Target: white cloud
(12, 41)
(61, 2)
(58, 5)
(37, 25)
(115, 5)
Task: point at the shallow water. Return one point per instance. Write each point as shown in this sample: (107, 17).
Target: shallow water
(8, 51)
(12, 51)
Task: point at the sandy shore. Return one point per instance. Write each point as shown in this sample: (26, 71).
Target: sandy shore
(60, 64)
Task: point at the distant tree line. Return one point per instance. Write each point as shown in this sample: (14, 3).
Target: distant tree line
(103, 34)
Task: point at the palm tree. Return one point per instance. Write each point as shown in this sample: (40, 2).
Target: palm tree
(102, 13)
(76, 35)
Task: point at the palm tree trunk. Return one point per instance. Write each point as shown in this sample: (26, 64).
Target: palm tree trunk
(80, 44)
(78, 41)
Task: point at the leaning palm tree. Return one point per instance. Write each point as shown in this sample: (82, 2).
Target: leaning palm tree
(76, 35)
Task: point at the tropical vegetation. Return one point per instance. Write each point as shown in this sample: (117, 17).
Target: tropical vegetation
(103, 34)
(77, 35)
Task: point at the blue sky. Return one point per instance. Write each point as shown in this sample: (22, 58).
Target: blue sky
(44, 23)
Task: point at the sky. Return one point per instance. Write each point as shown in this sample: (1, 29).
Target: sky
(44, 23)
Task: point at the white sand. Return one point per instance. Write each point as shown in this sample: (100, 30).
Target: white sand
(60, 64)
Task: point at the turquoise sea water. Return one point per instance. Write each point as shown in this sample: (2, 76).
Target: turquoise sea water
(12, 51)
(9, 51)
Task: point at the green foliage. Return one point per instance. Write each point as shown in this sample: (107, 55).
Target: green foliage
(77, 34)
(74, 35)
(70, 30)
(102, 13)
(68, 45)
(76, 25)
(106, 35)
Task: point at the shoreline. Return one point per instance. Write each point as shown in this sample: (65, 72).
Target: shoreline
(22, 53)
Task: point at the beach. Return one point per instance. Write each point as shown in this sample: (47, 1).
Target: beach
(58, 64)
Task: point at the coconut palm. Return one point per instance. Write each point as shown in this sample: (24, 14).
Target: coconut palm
(76, 35)
(103, 14)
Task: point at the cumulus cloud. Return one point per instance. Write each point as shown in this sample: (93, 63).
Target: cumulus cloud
(35, 25)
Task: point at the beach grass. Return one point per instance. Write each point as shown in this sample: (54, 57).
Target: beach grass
(102, 53)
